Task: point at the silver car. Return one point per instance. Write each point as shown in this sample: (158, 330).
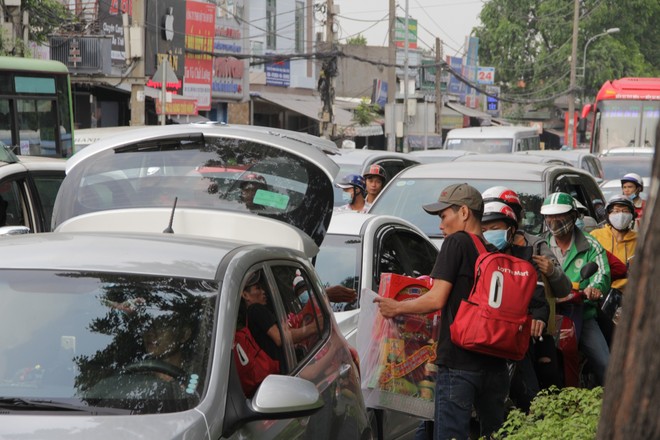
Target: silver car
(121, 323)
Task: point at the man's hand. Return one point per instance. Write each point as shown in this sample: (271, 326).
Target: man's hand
(593, 293)
(537, 328)
(340, 294)
(545, 264)
(387, 306)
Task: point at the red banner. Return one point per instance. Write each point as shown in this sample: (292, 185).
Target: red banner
(198, 71)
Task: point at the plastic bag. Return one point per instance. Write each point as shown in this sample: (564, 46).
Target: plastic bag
(396, 358)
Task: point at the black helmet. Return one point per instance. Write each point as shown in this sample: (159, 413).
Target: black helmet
(376, 170)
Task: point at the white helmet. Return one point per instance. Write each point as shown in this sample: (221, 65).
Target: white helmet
(633, 178)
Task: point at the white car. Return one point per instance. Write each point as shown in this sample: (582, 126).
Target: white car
(121, 323)
(357, 249)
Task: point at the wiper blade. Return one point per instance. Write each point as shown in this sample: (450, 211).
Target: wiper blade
(18, 403)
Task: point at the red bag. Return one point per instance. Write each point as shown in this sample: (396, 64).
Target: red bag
(494, 319)
(253, 363)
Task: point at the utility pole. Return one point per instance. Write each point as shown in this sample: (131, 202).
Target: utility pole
(438, 89)
(571, 93)
(404, 140)
(391, 78)
(326, 85)
(137, 86)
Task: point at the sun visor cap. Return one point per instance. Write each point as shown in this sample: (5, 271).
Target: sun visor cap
(458, 194)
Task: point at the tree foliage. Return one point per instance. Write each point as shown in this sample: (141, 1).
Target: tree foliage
(529, 43)
(358, 40)
(45, 17)
(365, 113)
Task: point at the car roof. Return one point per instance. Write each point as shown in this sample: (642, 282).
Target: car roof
(500, 131)
(483, 170)
(360, 156)
(572, 154)
(438, 153)
(351, 223)
(633, 151)
(158, 254)
(508, 157)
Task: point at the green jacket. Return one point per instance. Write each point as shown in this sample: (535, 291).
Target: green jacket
(584, 249)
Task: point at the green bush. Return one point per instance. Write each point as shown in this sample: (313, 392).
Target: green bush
(569, 413)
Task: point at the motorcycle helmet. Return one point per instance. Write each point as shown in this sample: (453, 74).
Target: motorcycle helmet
(558, 203)
(623, 201)
(353, 181)
(504, 195)
(634, 178)
(376, 170)
(495, 210)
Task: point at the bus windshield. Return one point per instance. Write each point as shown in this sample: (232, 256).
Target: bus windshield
(627, 124)
(35, 107)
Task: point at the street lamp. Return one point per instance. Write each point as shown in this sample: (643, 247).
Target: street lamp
(584, 56)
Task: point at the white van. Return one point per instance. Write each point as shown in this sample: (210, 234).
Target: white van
(493, 139)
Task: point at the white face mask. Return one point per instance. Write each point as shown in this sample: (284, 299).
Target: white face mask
(620, 220)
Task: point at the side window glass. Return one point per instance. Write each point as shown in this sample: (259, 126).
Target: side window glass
(13, 209)
(47, 187)
(405, 253)
(392, 167)
(305, 319)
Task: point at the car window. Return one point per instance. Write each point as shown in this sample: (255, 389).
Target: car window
(13, 206)
(302, 309)
(338, 263)
(404, 253)
(585, 190)
(47, 187)
(392, 166)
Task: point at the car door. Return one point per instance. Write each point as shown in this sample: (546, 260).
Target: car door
(402, 251)
(43, 187)
(584, 188)
(321, 357)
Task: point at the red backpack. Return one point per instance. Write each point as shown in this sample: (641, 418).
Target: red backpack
(494, 319)
(253, 363)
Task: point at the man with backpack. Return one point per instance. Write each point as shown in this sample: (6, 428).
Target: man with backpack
(466, 378)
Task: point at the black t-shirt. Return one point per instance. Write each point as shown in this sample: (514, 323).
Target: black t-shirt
(455, 264)
(259, 320)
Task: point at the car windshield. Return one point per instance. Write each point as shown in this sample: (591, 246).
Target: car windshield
(202, 172)
(339, 261)
(628, 123)
(481, 145)
(617, 167)
(404, 198)
(105, 340)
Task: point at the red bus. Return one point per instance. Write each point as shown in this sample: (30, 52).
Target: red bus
(626, 114)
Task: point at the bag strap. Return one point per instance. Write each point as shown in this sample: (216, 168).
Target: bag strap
(478, 243)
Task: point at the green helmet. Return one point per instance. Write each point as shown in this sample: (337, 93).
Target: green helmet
(558, 203)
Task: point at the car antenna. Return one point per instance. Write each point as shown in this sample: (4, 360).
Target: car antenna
(168, 229)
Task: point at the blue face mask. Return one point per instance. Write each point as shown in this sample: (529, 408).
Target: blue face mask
(497, 237)
(303, 297)
(346, 197)
(632, 197)
(579, 223)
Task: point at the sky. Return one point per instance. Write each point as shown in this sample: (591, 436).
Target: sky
(450, 20)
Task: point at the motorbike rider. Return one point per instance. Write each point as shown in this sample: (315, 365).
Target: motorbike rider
(375, 178)
(354, 193)
(574, 248)
(632, 185)
(617, 235)
(499, 225)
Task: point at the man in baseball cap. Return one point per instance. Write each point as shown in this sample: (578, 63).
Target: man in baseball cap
(459, 194)
(464, 377)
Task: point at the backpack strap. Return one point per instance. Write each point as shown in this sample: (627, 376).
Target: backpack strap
(478, 243)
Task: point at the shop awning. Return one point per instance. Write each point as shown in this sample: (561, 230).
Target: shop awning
(467, 111)
(310, 106)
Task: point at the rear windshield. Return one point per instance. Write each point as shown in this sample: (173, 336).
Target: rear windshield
(201, 172)
(481, 145)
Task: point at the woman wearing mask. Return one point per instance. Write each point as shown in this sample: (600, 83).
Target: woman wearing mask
(617, 235)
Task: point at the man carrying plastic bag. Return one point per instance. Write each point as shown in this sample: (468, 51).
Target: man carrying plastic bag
(465, 378)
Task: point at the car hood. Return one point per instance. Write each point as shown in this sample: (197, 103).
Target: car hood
(254, 172)
(181, 425)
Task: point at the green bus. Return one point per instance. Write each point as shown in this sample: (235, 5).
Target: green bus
(36, 114)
